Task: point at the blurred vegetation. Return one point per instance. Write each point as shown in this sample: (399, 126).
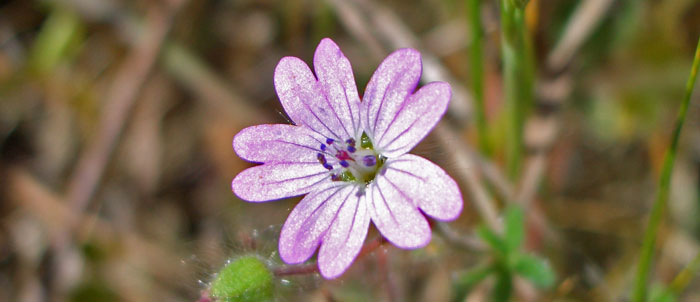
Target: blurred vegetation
(116, 122)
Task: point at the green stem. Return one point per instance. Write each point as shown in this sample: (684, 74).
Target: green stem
(683, 278)
(518, 74)
(640, 288)
(476, 68)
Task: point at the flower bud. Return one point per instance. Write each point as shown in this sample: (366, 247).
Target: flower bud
(246, 279)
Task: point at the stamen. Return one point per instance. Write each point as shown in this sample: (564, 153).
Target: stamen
(369, 160)
(357, 160)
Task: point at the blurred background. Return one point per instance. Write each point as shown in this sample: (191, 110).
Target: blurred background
(116, 122)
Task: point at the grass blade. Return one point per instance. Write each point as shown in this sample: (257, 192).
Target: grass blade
(476, 72)
(683, 278)
(639, 293)
(518, 79)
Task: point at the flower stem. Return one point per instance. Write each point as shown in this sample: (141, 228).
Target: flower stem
(310, 268)
(517, 78)
(301, 269)
(371, 246)
(476, 69)
(385, 271)
(640, 288)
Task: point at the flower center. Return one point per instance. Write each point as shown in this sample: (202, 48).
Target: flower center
(349, 162)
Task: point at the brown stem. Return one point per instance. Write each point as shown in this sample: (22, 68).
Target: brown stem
(310, 268)
(371, 246)
(301, 269)
(385, 271)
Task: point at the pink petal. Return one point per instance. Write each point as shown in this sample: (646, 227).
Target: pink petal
(395, 216)
(338, 83)
(306, 100)
(426, 185)
(278, 180)
(387, 90)
(414, 119)
(276, 143)
(345, 238)
(310, 219)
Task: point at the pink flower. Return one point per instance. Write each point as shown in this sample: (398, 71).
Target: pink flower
(349, 157)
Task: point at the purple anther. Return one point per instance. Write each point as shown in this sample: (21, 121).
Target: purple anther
(369, 160)
(351, 142)
(344, 163)
(328, 166)
(335, 177)
(351, 149)
(329, 141)
(323, 147)
(321, 158)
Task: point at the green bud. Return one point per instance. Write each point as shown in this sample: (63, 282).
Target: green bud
(246, 279)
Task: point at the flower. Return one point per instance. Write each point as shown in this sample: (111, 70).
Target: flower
(349, 157)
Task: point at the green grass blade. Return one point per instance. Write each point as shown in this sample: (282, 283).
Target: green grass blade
(683, 278)
(518, 79)
(476, 70)
(639, 293)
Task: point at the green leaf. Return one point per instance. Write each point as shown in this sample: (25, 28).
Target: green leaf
(60, 32)
(246, 279)
(514, 233)
(534, 269)
(503, 288)
(466, 282)
(493, 240)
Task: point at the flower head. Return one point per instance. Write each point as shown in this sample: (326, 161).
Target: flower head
(349, 157)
